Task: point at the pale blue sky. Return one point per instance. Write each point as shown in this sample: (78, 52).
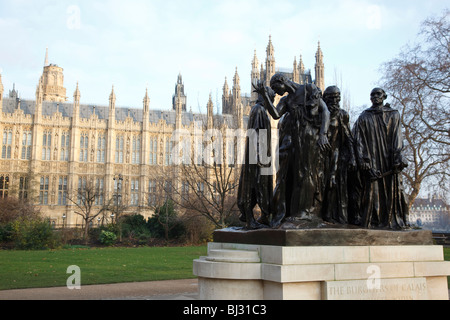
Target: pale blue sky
(137, 44)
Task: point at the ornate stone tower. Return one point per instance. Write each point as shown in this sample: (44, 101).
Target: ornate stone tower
(270, 61)
(226, 98)
(255, 76)
(210, 113)
(179, 94)
(53, 82)
(236, 91)
(320, 69)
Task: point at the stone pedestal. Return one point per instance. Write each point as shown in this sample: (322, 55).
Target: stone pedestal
(294, 270)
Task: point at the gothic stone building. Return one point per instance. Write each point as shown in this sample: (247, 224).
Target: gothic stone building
(52, 147)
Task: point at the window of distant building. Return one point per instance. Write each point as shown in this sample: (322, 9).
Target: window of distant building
(101, 148)
(23, 188)
(168, 152)
(62, 191)
(84, 147)
(99, 191)
(134, 192)
(153, 151)
(119, 149)
(26, 145)
(152, 193)
(46, 145)
(65, 146)
(7, 143)
(4, 186)
(135, 157)
(43, 190)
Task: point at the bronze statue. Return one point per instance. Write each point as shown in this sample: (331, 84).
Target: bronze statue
(256, 187)
(306, 137)
(337, 161)
(379, 146)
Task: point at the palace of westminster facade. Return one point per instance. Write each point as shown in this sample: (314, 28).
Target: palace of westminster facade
(51, 147)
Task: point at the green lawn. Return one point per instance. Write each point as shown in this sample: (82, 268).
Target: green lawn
(35, 269)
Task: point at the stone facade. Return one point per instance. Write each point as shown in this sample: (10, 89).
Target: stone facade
(52, 147)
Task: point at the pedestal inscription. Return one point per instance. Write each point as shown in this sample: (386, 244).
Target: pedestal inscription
(376, 289)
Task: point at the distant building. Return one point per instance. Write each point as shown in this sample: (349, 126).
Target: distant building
(430, 213)
(51, 147)
(233, 100)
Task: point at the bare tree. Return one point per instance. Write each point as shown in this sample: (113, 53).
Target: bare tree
(85, 202)
(208, 177)
(418, 80)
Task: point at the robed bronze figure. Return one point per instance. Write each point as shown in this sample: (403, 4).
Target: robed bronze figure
(379, 146)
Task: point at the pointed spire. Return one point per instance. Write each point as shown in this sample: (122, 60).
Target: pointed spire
(210, 112)
(112, 99)
(270, 61)
(76, 104)
(295, 75)
(46, 58)
(146, 101)
(226, 88)
(255, 62)
(236, 79)
(319, 68)
(301, 66)
(319, 53)
(77, 95)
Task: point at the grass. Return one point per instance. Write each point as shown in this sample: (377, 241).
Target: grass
(38, 269)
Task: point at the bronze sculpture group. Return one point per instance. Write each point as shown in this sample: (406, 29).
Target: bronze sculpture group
(325, 170)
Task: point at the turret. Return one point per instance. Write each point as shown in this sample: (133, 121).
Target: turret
(320, 69)
(53, 82)
(255, 76)
(178, 110)
(270, 61)
(146, 102)
(76, 103)
(226, 95)
(210, 113)
(295, 74)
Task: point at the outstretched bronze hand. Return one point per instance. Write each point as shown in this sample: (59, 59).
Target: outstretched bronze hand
(259, 88)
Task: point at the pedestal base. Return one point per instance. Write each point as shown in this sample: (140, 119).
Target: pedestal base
(239, 271)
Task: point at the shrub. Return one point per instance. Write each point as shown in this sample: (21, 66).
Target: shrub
(6, 232)
(134, 227)
(107, 238)
(29, 234)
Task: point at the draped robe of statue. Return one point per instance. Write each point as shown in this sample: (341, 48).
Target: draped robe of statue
(336, 163)
(299, 175)
(255, 187)
(284, 179)
(379, 143)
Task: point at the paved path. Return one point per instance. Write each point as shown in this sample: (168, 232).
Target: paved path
(153, 290)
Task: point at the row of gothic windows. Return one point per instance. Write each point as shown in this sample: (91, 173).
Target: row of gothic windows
(155, 192)
(64, 150)
(124, 152)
